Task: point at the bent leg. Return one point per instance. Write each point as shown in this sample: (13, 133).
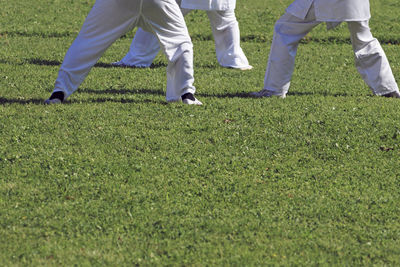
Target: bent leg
(144, 49)
(226, 34)
(371, 60)
(96, 35)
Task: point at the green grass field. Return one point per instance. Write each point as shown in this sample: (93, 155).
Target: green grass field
(118, 177)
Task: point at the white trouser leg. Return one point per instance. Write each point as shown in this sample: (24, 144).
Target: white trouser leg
(163, 17)
(96, 35)
(144, 49)
(371, 61)
(226, 34)
(169, 26)
(289, 30)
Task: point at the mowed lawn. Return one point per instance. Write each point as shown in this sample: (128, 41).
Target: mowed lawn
(118, 177)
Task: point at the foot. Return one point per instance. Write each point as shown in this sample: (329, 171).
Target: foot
(189, 99)
(265, 93)
(249, 67)
(124, 65)
(52, 101)
(394, 94)
(55, 98)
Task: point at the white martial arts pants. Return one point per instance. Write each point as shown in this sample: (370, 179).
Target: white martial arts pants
(225, 28)
(110, 19)
(371, 61)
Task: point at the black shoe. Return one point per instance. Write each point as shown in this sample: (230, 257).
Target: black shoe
(394, 94)
(189, 99)
(55, 98)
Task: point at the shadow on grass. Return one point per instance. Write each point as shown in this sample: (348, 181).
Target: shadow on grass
(45, 62)
(297, 93)
(254, 38)
(53, 63)
(122, 101)
(227, 95)
(121, 91)
(35, 101)
(157, 92)
(242, 94)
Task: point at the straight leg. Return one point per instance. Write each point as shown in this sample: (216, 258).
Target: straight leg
(96, 35)
(144, 49)
(168, 24)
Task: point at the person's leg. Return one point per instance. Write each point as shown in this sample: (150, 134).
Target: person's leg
(143, 50)
(289, 30)
(96, 35)
(371, 61)
(167, 23)
(226, 34)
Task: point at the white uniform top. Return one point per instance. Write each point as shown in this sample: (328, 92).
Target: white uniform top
(331, 10)
(209, 4)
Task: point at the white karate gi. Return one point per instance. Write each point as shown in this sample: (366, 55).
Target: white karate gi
(301, 17)
(110, 19)
(225, 28)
